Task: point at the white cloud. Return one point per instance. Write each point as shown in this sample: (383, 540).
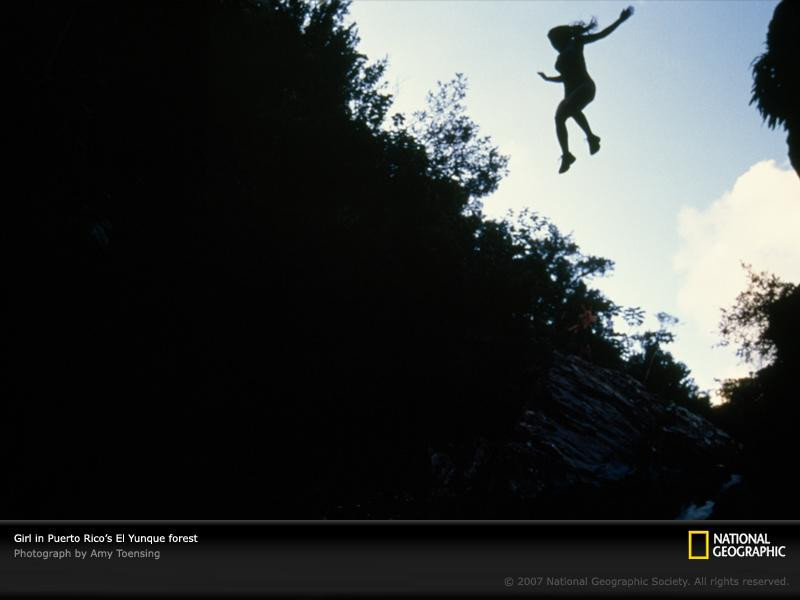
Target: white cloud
(757, 222)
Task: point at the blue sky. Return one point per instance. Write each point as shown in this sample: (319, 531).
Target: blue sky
(688, 182)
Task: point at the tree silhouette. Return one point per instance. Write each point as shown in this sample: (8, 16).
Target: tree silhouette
(776, 90)
(761, 410)
(278, 303)
(451, 140)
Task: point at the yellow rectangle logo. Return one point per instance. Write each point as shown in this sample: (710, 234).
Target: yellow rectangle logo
(693, 556)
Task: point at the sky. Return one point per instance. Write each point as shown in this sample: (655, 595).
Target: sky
(688, 183)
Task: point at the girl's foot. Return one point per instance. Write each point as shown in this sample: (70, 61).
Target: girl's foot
(566, 160)
(594, 144)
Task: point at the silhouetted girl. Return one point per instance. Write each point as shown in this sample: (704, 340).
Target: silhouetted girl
(579, 88)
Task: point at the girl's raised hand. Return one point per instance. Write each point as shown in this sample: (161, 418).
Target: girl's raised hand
(626, 13)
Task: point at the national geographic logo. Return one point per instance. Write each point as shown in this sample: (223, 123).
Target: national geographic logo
(703, 545)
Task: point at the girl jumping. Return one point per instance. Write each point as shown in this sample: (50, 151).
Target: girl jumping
(579, 89)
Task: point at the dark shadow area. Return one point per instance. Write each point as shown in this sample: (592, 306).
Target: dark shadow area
(234, 294)
(762, 409)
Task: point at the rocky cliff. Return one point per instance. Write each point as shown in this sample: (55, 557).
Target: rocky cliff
(592, 443)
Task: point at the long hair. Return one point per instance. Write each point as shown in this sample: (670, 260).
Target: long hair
(562, 34)
(581, 27)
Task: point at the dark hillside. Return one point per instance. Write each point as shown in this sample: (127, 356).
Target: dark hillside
(234, 293)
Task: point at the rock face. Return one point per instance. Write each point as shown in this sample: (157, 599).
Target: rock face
(592, 444)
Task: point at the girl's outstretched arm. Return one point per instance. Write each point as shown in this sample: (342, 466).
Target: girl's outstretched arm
(593, 37)
(556, 79)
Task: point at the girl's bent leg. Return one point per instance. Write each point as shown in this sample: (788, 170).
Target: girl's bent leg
(583, 123)
(562, 113)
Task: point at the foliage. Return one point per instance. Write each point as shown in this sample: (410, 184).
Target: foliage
(761, 410)
(289, 301)
(775, 85)
(746, 323)
(776, 91)
(451, 140)
(656, 368)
